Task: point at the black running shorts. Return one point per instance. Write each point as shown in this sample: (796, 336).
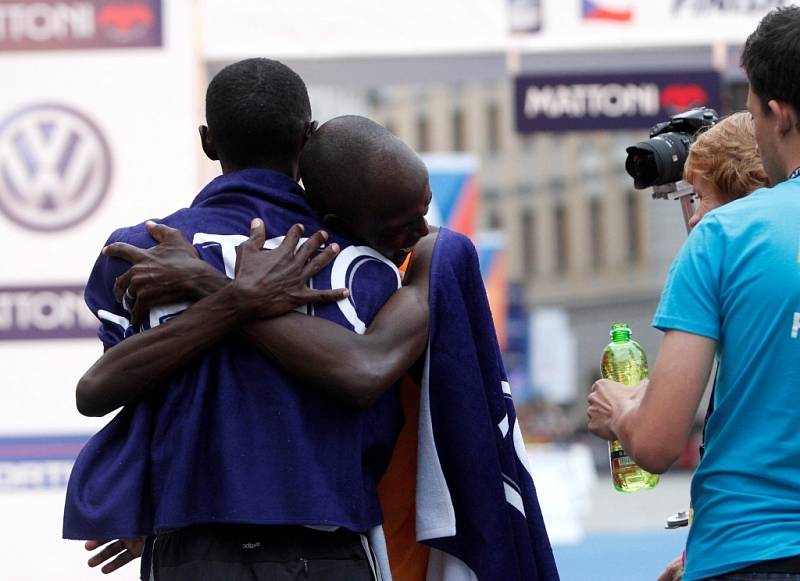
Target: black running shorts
(248, 553)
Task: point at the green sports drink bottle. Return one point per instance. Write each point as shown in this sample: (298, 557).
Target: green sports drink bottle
(625, 361)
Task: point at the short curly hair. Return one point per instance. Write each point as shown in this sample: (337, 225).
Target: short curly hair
(256, 109)
(727, 156)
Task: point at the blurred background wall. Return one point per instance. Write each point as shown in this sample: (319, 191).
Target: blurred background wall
(521, 108)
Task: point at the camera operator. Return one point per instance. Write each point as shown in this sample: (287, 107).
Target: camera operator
(734, 290)
(723, 164)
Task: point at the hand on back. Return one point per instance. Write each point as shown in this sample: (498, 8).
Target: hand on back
(269, 283)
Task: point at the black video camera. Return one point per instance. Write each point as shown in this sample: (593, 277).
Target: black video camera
(660, 159)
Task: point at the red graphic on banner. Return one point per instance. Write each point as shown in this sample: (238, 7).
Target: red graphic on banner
(125, 16)
(125, 22)
(680, 97)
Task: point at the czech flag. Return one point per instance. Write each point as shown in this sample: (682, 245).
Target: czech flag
(607, 10)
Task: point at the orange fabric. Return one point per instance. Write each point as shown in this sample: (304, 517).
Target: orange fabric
(408, 559)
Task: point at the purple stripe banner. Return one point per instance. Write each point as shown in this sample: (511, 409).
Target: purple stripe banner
(21, 449)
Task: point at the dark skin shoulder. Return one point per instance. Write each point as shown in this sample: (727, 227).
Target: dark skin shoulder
(356, 369)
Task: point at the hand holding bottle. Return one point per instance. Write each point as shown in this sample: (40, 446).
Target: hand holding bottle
(608, 401)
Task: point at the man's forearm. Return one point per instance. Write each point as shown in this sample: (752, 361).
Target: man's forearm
(146, 360)
(351, 367)
(325, 356)
(357, 369)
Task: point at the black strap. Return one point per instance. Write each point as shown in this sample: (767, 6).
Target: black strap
(709, 411)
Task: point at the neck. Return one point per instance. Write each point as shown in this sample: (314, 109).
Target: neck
(793, 150)
(287, 167)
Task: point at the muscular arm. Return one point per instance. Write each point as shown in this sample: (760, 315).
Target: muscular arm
(328, 357)
(654, 428)
(355, 368)
(146, 360)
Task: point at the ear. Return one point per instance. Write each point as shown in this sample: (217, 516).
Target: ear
(784, 114)
(207, 143)
(311, 128)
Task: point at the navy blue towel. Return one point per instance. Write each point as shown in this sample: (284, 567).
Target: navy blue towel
(476, 500)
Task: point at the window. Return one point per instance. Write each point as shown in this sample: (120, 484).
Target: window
(493, 128)
(490, 200)
(494, 221)
(633, 200)
(589, 160)
(459, 130)
(562, 238)
(596, 232)
(528, 242)
(423, 133)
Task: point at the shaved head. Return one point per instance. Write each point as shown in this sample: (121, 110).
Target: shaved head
(372, 183)
(344, 159)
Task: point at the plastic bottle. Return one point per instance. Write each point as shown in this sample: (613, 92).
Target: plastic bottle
(625, 361)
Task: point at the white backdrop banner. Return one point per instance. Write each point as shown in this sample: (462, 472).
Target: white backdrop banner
(98, 117)
(582, 24)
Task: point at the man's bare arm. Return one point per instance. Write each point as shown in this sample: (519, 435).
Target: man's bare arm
(146, 360)
(354, 368)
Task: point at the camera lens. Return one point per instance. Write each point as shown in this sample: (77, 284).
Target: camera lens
(658, 160)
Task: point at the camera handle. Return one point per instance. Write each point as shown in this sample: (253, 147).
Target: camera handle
(681, 191)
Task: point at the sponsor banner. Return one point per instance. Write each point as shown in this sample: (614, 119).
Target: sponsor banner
(55, 166)
(37, 462)
(725, 7)
(610, 101)
(87, 24)
(583, 24)
(44, 312)
(88, 144)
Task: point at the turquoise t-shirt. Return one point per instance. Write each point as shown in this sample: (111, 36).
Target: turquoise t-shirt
(737, 281)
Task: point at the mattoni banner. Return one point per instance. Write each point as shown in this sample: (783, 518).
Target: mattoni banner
(610, 101)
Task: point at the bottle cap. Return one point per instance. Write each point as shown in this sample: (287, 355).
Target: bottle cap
(619, 328)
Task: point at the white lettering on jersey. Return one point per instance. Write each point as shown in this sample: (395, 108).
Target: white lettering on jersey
(342, 276)
(796, 326)
(343, 272)
(163, 313)
(227, 244)
(105, 315)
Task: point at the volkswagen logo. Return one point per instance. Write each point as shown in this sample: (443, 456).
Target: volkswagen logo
(55, 167)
